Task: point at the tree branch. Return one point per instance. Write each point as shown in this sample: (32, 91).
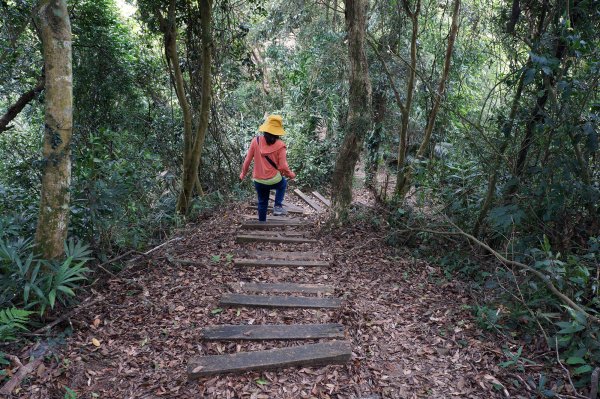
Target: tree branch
(544, 278)
(18, 106)
(388, 74)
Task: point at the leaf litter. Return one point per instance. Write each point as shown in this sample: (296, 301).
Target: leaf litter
(411, 334)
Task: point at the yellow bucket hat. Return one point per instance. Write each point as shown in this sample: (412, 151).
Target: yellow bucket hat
(273, 125)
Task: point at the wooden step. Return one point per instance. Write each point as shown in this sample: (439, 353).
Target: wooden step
(273, 239)
(270, 224)
(273, 331)
(299, 211)
(305, 255)
(279, 263)
(272, 301)
(335, 352)
(274, 218)
(286, 287)
(288, 207)
(308, 200)
(321, 198)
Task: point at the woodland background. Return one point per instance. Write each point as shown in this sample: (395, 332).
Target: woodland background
(482, 119)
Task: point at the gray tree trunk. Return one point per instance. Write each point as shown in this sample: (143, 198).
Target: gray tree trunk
(55, 34)
(359, 112)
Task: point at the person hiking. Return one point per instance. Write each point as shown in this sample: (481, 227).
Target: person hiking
(270, 166)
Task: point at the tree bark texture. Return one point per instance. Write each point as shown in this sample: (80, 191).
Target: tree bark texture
(55, 32)
(405, 181)
(194, 152)
(359, 107)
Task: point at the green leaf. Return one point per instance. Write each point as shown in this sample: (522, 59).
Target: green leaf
(215, 258)
(52, 298)
(261, 381)
(575, 360)
(66, 290)
(216, 311)
(582, 370)
(571, 329)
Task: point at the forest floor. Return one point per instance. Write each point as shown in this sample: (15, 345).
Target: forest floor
(412, 333)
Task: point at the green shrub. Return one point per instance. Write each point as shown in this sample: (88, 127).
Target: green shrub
(35, 283)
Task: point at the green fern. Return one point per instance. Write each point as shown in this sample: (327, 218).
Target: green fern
(11, 320)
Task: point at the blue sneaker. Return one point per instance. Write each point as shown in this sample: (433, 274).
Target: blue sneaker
(279, 210)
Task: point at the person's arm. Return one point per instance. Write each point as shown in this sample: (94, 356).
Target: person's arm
(248, 160)
(283, 165)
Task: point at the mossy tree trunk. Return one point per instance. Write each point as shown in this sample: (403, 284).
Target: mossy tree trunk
(194, 151)
(55, 34)
(404, 181)
(193, 137)
(359, 119)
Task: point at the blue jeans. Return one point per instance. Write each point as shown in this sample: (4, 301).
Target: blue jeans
(263, 191)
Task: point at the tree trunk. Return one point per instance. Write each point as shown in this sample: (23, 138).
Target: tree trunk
(374, 141)
(537, 116)
(359, 107)
(190, 172)
(493, 179)
(169, 28)
(404, 183)
(55, 34)
(410, 89)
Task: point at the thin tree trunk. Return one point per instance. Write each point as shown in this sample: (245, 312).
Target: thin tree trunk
(359, 109)
(334, 15)
(404, 184)
(374, 142)
(537, 116)
(18, 106)
(507, 132)
(190, 174)
(169, 28)
(410, 89)
(55, 33)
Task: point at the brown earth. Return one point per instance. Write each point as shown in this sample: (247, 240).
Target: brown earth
(412, 333)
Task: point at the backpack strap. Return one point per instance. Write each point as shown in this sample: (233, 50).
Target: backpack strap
(269, 160)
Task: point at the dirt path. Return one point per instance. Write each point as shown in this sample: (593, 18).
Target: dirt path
(411, 334)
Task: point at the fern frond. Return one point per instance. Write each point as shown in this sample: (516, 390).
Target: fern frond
(11, 320)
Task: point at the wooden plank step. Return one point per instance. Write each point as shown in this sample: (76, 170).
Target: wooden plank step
(321, 198)
(277, 233)
(273, 331)
(308, 200)
(287, 287)
(289, 207)
(279, 263)
(270, 224)
(335, 352)
(306, 255)
(273, 239)
(274, 218)
(271, 301)
(298, 210)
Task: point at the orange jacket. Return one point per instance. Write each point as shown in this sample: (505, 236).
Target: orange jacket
(262, 168)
